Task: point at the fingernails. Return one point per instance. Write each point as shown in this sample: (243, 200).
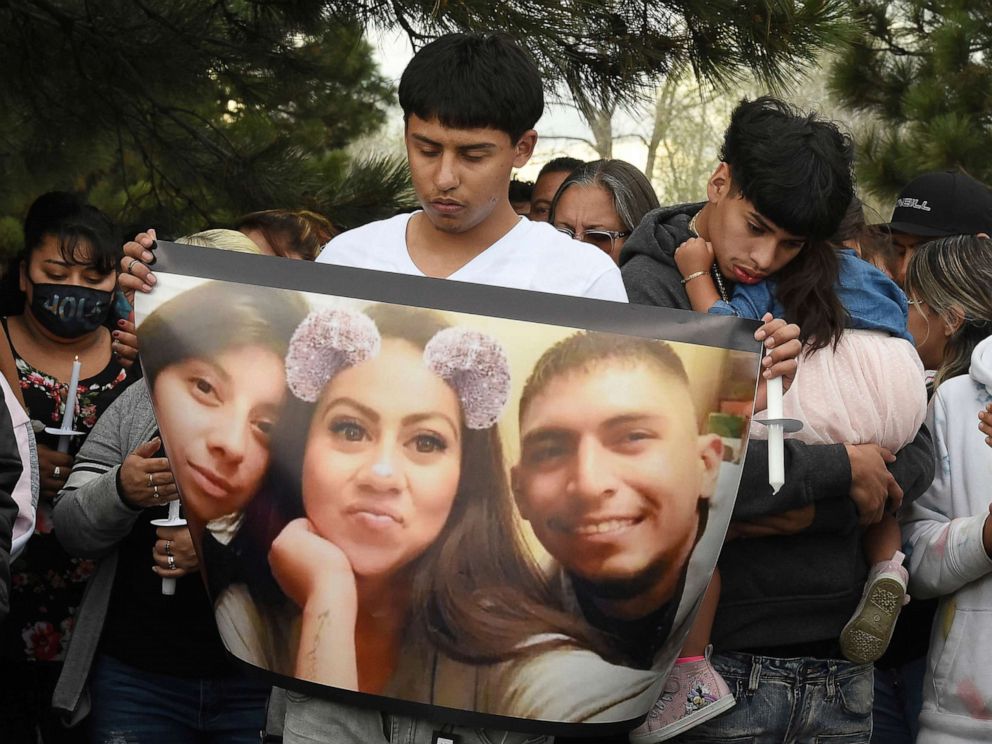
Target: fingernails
(120, 323)
(769, 342)
(147, 256)
(760, 334)
(116, 334)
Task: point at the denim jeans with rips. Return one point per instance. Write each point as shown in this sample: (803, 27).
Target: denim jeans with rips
(790, 701)
(131, 706)
(311, 720)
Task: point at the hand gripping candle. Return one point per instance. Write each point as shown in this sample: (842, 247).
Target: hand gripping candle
(173, 520)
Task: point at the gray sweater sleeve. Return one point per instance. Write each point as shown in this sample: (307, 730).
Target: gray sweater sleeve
(10, 471)
(648, 282)
(89, 514)
(822, 472)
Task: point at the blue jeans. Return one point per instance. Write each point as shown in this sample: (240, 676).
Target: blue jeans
(131, 706)
(790, 701)
(898, 700)
(311, 720)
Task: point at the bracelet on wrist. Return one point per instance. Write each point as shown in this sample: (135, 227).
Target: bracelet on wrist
(694, 275)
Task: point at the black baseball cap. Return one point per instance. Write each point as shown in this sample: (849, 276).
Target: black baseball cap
(943, 203)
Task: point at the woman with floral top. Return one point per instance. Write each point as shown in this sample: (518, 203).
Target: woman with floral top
(68, 277)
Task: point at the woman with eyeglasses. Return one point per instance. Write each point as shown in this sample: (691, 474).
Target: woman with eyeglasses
(601, 203)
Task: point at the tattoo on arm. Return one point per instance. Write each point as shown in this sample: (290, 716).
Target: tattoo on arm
(312, 657)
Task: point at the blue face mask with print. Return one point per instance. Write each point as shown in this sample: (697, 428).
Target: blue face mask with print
(68, 310)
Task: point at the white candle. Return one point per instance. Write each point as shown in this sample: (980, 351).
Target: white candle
(169, 584)
(776, 435)
(70, 405)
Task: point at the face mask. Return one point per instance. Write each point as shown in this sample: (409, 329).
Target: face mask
(69, 311)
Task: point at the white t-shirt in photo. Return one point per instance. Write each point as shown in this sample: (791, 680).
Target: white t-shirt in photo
(533, 255)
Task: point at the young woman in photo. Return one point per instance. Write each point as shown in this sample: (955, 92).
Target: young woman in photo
(154, 664)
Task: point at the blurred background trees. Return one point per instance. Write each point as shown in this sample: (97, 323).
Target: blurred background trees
(921, 77)
(186, 113)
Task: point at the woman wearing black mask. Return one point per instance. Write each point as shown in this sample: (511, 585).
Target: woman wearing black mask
(67, 275)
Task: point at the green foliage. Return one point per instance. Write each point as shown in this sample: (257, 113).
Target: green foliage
(185, 114)
(922, 71)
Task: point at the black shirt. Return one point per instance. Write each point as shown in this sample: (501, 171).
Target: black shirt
(164, 634)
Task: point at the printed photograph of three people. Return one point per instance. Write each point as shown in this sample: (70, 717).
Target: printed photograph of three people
(499, 516)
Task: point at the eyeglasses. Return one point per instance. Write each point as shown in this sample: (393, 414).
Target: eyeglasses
(605, 240)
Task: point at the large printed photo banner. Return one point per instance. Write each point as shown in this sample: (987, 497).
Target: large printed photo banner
(412, 493)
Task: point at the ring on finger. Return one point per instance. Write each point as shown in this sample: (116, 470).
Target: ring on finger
(57, 472)
(168, 548)
(150, 482)
(131, 265)
(172, 563)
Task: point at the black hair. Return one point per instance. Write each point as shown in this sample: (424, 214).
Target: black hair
(470, 81)
(563, 164)
(796, 170)
(85, 235)
(520, 191)
(584, 349)
(263, 316)
(794, 167)
(46, 212)
(81, 230)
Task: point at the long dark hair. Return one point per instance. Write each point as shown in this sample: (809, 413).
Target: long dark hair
(476, 594)
(807, 285)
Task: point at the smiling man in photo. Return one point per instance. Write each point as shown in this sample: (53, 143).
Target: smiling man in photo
(616, 480)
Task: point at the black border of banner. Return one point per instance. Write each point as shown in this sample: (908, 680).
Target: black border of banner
(684, 326)
(463, 297)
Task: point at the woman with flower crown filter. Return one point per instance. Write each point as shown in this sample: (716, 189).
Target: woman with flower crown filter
(405, 559)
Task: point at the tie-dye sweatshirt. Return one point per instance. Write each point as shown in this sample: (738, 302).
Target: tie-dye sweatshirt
(948, 559)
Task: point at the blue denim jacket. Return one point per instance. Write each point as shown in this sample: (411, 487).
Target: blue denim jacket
(872, 300)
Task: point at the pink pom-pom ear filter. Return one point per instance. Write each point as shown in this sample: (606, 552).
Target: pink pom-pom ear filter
(475, 365)
(326, 342)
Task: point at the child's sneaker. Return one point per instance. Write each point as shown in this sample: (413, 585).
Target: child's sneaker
(867, 634)
(694, 692)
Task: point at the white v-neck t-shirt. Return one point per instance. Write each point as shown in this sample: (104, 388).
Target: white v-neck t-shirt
(532, 255)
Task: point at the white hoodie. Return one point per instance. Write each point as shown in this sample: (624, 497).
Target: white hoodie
(947, 559)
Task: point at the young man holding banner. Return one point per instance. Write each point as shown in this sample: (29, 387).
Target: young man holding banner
(470, 104)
